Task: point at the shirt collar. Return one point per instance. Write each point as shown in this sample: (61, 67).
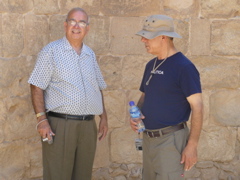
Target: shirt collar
(67, 46)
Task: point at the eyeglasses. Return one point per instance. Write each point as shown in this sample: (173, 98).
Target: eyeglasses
(73, 22)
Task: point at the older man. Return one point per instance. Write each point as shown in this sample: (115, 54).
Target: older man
(171, 90)
(66, 86)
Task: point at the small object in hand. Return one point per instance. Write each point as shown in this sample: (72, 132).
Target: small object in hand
(45, 139)
(50, 141)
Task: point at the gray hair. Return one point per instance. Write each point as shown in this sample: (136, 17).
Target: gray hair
(78, 9)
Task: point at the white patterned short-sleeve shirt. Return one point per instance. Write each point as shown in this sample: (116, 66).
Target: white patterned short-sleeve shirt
(71, 82)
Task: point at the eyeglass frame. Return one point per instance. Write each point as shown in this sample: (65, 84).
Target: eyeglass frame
(80, 23)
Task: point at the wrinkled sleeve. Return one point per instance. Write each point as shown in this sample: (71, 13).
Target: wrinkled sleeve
(42, 72)
(101, 83)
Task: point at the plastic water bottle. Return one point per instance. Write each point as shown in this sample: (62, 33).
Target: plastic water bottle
(135, 114)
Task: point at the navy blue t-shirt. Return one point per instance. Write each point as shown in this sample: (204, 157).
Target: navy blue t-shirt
(165, 100)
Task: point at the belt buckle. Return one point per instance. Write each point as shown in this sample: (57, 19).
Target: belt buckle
(83, 117)
(148, 133)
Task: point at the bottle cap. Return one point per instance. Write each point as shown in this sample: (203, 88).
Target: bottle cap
(131, 103)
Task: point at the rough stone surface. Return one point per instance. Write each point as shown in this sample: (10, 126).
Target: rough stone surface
(12, 155)
(12, 35)
(210, 31)
(3, 6)
(200, 28)
(56, 27)
(129, 8)
(180, 8)
(115, 104)
(1, 44)
(225, 107)
(182, 28)
(121, 41)
(213, 138)
(98, 36)
(36, 33)
(20, 6)
(132, 71)
(225, 37)
(46, 7)
(223, 8)
(126, 136)
(101, 158)
(217, 72)
(92, 7)
(112, 71)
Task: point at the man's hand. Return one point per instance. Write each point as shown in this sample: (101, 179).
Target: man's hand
(45, 130)
(133, 123)
(103, 129)
(189, 157)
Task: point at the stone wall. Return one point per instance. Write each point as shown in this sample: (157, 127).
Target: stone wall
(211, 37)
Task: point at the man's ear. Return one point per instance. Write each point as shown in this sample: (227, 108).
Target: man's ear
(65, 26)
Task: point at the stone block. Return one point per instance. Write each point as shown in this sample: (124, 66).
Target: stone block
(98, 35)
(204, 164)
(57, 27)
(182, 28)
(34, 150)
(111, 68)
(101, 174)
(210, 173)
(130, 8)
(224, 107)
(13, 160)
(12, 35)
(1, 45)
(3, 6)
(20, 6)
(15, 73)
(200, 37)
(225, 37)
(219, 9)
(217, 72)
(193, 173)
(3, 116)
(132, 71)
(36, 34)
(205, 96)
(239, 133)
(92, 7)
(115, 105)
(181, 8)
(46, 7)
(217, 144)
(124, 152)
(102, 158)
(121, 41)
(20, 120)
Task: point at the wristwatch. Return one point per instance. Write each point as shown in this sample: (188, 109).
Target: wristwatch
(40, 114)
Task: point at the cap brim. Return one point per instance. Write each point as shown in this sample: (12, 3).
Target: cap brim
(152, 35)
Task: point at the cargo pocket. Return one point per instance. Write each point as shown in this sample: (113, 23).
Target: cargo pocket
(178, 175)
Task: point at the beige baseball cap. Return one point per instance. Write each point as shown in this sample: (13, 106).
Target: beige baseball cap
(157, 25)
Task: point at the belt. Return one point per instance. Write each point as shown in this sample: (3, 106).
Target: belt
(72, 117)
(165, 131)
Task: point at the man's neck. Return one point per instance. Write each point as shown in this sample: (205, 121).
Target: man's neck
(167, 52)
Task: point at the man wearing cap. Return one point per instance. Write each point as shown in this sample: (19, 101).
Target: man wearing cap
(171, 90)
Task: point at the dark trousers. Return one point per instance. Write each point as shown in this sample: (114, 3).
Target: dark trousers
(71, 155)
